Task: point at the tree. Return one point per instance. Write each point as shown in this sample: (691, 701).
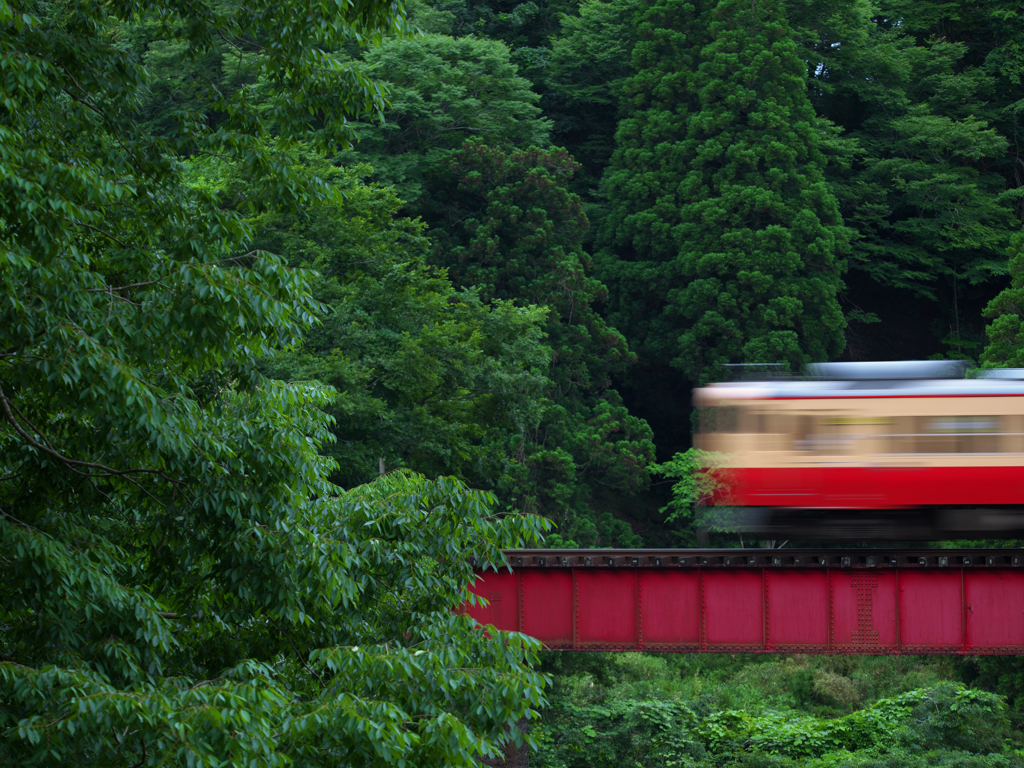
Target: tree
(921, 171)
(1006, 311)
(648, 160)
(641, 182)
(442, 91)
(524, 27)
(179, 582)
(589, 66)
(427, 376)
(506, 224)
(729, 244)
(930, 206)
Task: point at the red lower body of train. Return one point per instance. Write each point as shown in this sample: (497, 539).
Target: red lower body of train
(863, 487)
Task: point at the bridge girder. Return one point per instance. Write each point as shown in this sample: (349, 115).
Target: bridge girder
(761, 601)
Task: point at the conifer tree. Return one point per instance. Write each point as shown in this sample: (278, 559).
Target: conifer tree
(737, 255)
(507, 224)
(648, 162)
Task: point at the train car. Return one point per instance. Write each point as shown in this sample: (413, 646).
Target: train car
(885, 450)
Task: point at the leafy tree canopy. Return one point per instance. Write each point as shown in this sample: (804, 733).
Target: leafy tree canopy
(180, 582)
(443, 91)
(1006, 311)
(922, 191)
(589, 65)
(427, 376)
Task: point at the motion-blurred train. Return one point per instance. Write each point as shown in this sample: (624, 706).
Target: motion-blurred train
(868, 451)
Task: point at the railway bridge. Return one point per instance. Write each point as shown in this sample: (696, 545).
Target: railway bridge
(928, 601)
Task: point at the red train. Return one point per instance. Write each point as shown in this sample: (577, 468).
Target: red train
(868, 450)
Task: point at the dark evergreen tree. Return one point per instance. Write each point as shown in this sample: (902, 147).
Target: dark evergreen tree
(649, 159)
(506, 223)
(733, 240)
(589, 66)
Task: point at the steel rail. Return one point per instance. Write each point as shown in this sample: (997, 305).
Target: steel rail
(820, 557)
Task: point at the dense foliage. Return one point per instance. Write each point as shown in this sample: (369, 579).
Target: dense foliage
(776, 182)
(300, 310)
(724, 242)
(426, 375)
(799, 711)
(507, 224)
(181, 583)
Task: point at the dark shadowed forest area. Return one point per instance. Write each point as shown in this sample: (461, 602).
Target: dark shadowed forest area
(308, 307)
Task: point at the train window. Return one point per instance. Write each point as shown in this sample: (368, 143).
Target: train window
(833, 435)
(750, 422)
(777, 424)
(719, 418)
(704, 419)
(949, 434)
(959, 434)
(1012, 440)
(804, 437)
(929, 439)
(904, 437)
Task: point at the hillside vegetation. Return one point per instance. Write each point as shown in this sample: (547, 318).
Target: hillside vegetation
(307, 307)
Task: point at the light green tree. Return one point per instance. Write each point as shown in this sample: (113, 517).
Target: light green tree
(179, 583)
(428, 376)
(443, 91)
(1006, 311)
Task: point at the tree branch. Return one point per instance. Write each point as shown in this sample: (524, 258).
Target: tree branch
(70, 464)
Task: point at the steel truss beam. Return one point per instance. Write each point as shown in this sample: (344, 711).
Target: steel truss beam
(761, 601)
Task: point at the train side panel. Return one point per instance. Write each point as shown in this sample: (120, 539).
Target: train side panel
(866, 453)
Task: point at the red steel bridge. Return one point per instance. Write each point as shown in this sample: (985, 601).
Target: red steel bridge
(761, 601)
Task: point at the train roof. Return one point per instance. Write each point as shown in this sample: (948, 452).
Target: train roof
(903, 378)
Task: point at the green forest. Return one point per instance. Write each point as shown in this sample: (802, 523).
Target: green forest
(308, 309)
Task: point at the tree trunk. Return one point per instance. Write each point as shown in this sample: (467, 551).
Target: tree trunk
(515, 757)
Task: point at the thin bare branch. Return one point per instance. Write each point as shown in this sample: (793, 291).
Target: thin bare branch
(98, 231)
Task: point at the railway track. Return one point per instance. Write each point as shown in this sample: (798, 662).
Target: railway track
(881, 558)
